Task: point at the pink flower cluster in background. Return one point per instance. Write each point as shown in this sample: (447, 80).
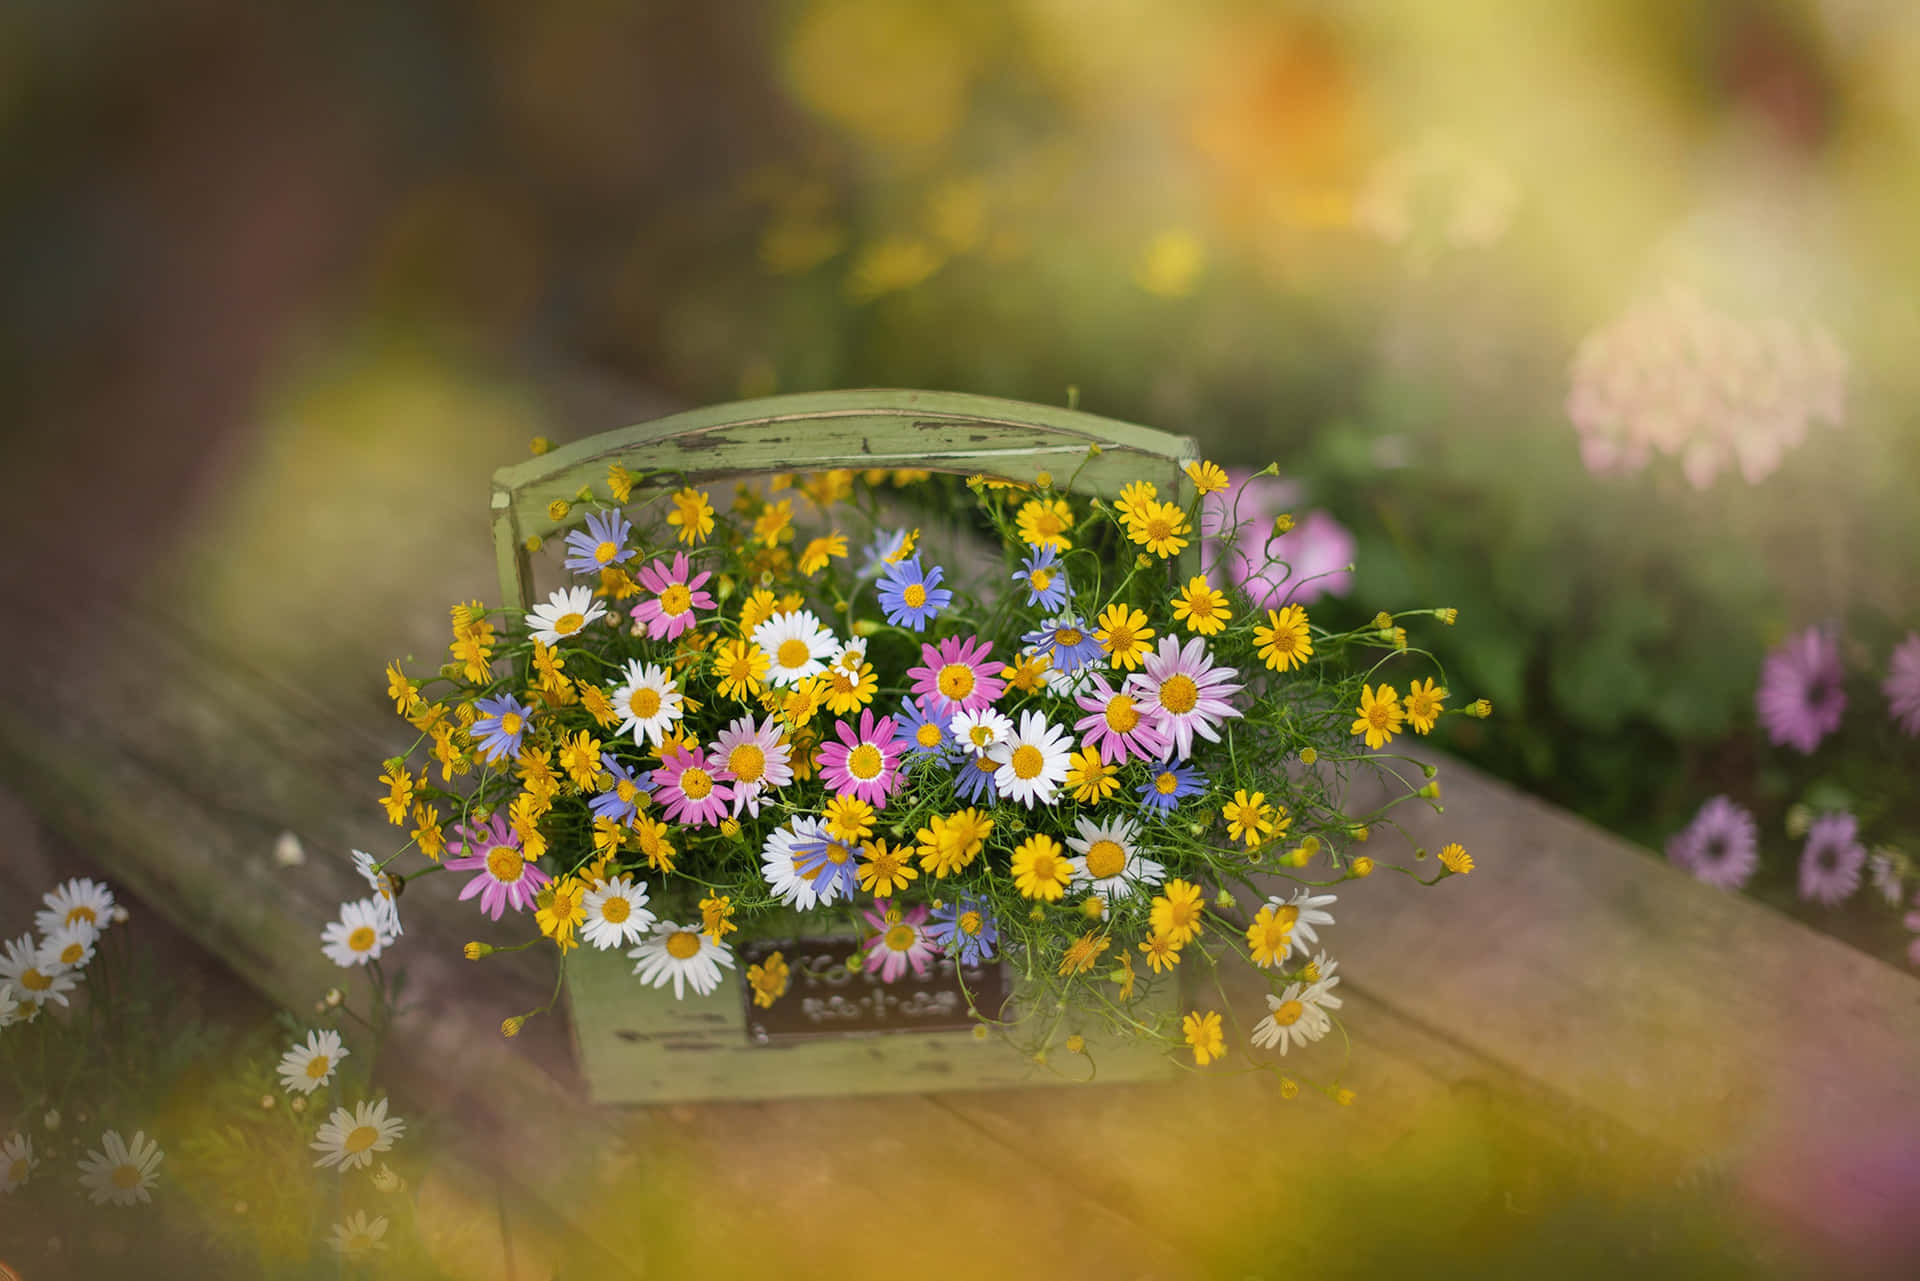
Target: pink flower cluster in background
(1676, 376)
(1311, 560)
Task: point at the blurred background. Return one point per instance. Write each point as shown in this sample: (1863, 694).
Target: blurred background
(1593, 320)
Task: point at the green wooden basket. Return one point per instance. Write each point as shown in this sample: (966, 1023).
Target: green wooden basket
(640, 1045)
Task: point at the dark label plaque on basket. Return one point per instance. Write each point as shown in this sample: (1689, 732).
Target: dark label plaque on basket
(825, 998)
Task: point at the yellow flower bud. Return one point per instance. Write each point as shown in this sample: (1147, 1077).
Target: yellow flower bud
(1360, 868)
(558, 509)
(1094, 908)
(1449, 616)
(1480, 707)
(539, 445)
(512, 1026)
(1289, 1088)
(477, 950)
(1283, 523)
(1383, 621)
(1308, 756)
(1043, 479)
(1343, 1096)
(533, 543)
(1076, 1044)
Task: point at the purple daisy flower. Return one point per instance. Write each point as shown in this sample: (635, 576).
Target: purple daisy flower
(973, 779)
(926, 737)
(964, 930)
(621, 801)
(1068, 641)
(602, 543)
(911, 596)
(831, 867)
(1800, 699)
(1830, 864)
(1169, 784)
(1913, 923)
(1720, 847)
(1044, 578)
(499, 730)
(1902, 686)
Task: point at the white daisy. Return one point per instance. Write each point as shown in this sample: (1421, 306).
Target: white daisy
(681, 953)
(1300, 1012)
(616, 913)
(1109, 862)
(9, 1008)
(349, 1139)
(305, 1068)
(359, 1236)
(121, 1172)
(35, 976)
(780, 864)
(71, 946)
(754, 760)
(358, 936)
(850, 657)
(980, 732)
(1308, 905)
(566, 613)
(1068, 685)
(797, 645)
(17, 1162)
(383, 887)
(1033, 762)
(82, 900)
(648, 703)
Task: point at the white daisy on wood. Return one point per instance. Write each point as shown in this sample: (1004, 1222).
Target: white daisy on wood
(1033, 761)
(616, 913)
(35, 977)
(648, 703)
(682, 955)
(80, 901)
(349, 1139)
(797, 646)
(359, 936)
(121, 1172)
(359, 1236)
(1299, 1014)
(71, 947)
(305, 1068)
(566, 613)
(1109, 862)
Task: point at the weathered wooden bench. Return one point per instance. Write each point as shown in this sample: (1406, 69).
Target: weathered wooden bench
(1572, 979)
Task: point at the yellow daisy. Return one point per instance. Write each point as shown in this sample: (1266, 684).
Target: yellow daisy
(1203, 608)
(1285, 643)
(1249, 818)
(1205, 1036)
(1044, 522)
(947, 845)
(885, 870)
(1207, 477)
(404, 693)
(1162, 952)
(1177, 911)
(849, 819)
(1041, 869)
(399, 793)
(1124, 634)
(774, 524)
(1454, 857)
(1380, 715)
(1090, 778)
(821, 550)
(768, 980)
(692, 515)
(1423, 704)
(1083, 952)
(1270, 936)
(1134, 496)
(1160, 528)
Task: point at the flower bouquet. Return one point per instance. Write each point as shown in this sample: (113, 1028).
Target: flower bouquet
(1048, 747)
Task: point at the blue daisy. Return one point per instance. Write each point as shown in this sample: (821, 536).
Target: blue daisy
(621, 801)
(927, 737)
(964, 929)
(499, 731)
(824, 863)
(1067, 640)
(1169, 784)
(880, 553)
(910, 596)
(973, 779)
(602, 543)
(1044, 578)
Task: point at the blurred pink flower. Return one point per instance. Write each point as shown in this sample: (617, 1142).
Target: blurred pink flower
(1298, 567)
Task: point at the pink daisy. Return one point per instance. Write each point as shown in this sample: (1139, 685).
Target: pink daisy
(866, 764)
(1184, 692)
(688, 786)
(670, 612)
(1902, 686)
(957, 676)
(1831, 861)
(1913, 923)
(1802, 696)
(900, 940)
(752, 761)
(507, 879)
(1118, 725)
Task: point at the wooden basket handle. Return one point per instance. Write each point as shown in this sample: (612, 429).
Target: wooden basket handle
(822, 431)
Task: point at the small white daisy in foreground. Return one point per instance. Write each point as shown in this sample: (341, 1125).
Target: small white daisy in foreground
(358, 936)
(1033, 762)
(9, 1008)
(1309, 906)
(349, 1139)
(17, 1162)
(305, 1068)
(81, 901)
(359, 1236)
(35, 977)
(382, 886)
(797, 646)
(1300, 1012)
(780, 864)
(648, 703)
(70, 947)
(566, 614)
(1108, 860)
(980, 732)
(684, 955)
(121, 1172)
(616, 913)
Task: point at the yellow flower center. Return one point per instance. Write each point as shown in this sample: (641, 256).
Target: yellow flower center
(1046, 866)
(747, 762)
(362, 1138)
(981, 735)
(615, 910)
(696, 783)
(626, 791)
(1159, 529)
(510, 723)
(82, 913)
(568, 624)
(72, 952)
(793, 652)
(956, 681)
(914, 596)
(985, 764)
(838, 854)
(34, 981)
(1289, 1013)
(1121, 718)
(1047, 524)
(126, 1177)
(1119, 638)
(644, 703)
(362, 939)
(318, 1066)
(928, 735)
(17, 1172)
(900, 938)
(1040, 579)
(1027, 761)
(1068, 636)
(683, 944)
(970, 922)
(606, 552)
(1105, 859)
(865, 762)
(1165, 783)
(1377, 715)
(505, 864)
(1178, 694)
(676, 599)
